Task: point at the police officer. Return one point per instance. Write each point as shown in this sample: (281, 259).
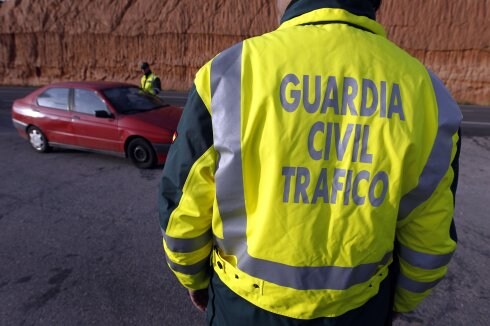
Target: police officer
(149, 81)
(313, 178)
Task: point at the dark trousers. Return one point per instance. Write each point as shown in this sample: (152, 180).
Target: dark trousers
(227, 308)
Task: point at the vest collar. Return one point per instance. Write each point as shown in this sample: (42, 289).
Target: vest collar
(356, 7)
(304, 12)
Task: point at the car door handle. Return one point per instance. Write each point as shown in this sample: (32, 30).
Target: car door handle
(76, 117)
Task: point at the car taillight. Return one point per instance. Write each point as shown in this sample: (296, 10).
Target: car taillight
(174, 136)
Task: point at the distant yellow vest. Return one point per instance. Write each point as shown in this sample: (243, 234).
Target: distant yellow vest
(147, 83)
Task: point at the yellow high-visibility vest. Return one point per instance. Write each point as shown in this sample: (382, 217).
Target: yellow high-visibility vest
(328, 141)
(147, 83)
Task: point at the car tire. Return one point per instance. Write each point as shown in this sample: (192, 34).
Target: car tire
(141, 153)
(38, 140)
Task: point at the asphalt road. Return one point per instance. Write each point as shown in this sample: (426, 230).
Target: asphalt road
(80, 242)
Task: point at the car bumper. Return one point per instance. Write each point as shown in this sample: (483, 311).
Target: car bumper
(21, 127)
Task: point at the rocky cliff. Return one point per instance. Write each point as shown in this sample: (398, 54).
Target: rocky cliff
(49, 40)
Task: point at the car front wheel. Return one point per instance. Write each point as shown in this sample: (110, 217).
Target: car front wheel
(141, 153)
(37, 140)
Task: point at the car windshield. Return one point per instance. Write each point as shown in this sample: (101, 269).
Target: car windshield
(132, 100)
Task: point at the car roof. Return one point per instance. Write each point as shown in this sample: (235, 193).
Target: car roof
(95, 85)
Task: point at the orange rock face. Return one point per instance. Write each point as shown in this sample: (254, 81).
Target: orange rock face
(50, 40)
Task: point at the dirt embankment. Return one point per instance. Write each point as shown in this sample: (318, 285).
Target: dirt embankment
(48, 40)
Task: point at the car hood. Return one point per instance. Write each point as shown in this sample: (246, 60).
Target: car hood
(167, 118)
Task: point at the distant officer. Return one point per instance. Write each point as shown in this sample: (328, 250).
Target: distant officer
(312, 162)
(149, 81)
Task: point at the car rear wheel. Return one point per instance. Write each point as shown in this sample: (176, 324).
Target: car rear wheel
(141, 153)
(37, 140)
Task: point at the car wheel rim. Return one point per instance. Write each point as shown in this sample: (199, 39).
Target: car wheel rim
(140, 154)
(36, 139)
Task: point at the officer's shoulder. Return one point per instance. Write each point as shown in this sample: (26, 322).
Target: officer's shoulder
(239, 45)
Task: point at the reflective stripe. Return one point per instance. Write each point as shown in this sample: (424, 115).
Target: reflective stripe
(225, 108)
(226, 117)
(414, 286)
(189, 269)
(449, 119)
(187, 245)
(422, 260)
(311, 277)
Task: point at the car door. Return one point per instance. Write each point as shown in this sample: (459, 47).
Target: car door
(99, 133)
(53, 117)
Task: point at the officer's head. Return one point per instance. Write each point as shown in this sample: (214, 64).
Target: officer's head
(145, 67)
(282, 5)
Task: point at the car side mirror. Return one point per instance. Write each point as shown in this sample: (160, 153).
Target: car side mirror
(103, 114)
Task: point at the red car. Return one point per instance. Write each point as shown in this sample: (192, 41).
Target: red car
(109, 117)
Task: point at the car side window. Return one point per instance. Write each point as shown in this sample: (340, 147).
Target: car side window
(55, 98)
(86, 101)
